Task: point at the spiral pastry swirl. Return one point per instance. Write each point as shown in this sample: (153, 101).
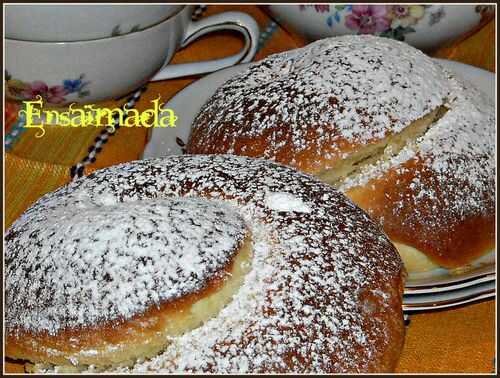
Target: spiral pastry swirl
(201, 264)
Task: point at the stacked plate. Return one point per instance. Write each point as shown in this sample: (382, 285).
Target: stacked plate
(442, 288)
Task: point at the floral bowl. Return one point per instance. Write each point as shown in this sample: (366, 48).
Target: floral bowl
(80, 22)
(423, 26)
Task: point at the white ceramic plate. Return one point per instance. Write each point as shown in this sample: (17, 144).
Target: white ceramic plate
(446, 304)
(187, 103)
(452, 286)
(431, 301)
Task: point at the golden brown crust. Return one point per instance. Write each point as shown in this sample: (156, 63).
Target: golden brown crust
(313, 106)
(223, 139)
(146, 330)
(453, 242)
(396, 330)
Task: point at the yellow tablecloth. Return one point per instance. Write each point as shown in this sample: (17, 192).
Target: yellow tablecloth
(456, 340)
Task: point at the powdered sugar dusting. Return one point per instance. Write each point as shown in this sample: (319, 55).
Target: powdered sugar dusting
(458, 151)
(319, 99)
(302, 306)
(111, 262)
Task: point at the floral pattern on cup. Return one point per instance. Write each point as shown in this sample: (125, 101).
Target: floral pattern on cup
(56, 94)
(117, 31)
(485, 9)
(487, 12)
(392, 21)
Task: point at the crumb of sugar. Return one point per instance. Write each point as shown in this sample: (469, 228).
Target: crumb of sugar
(286, 202)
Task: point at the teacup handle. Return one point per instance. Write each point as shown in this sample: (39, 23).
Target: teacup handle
(228, 20)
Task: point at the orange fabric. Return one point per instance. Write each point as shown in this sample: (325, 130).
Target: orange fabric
(455, 340)
(30, 181)
(476, 49)
(459, 340)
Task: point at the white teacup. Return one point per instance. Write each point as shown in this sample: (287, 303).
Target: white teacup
(85, 72)
(81, 22)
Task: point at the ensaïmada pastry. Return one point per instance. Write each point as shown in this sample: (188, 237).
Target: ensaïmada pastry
(408, 141)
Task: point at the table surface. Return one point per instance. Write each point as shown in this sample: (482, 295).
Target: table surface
(461, 339)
